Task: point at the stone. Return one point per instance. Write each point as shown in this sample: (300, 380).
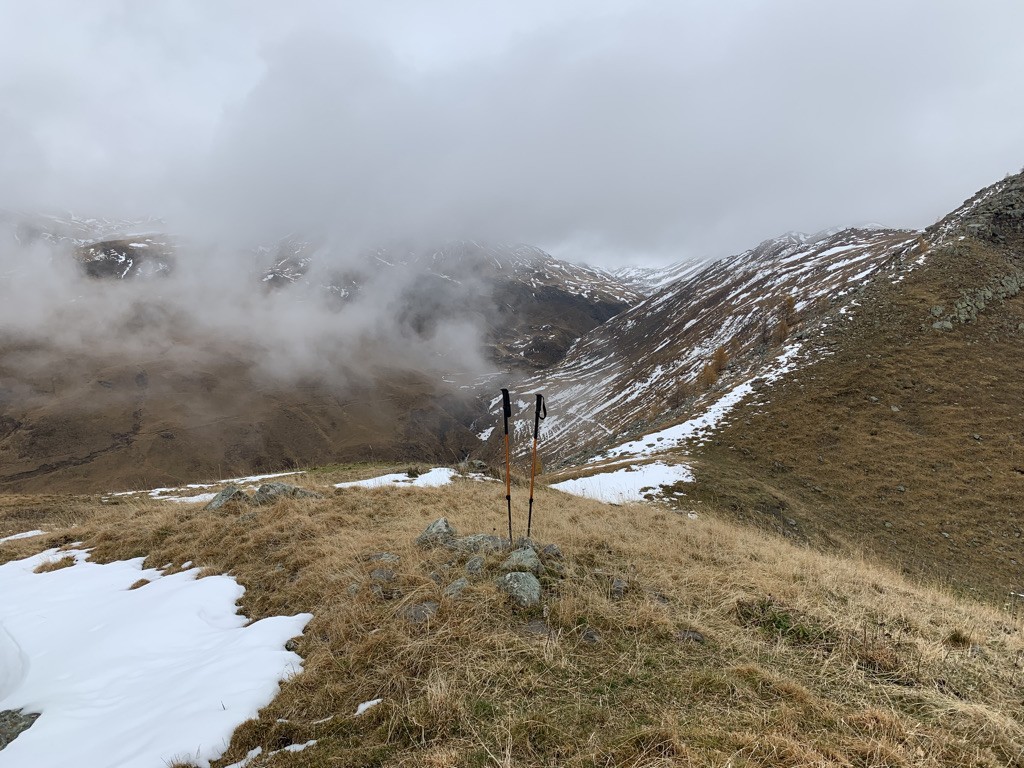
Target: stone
(688, 636)
(524, 559)
(619, 588)
(438, 532)
(523, 542)
(230, 495)
(382, 592)
(538, 627)
(268, 493)
(942, 325)
(421, 612)
(456, 588)
(479, 542)
(938, 310)
(383, 557)
(382, 575)
(522, 588)
(553, 551)
(14, 722)
(475, 565)
(590, 636)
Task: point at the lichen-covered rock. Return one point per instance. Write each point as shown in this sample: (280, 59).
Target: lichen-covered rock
(382, 575)
(438, 532)
(268, 493)
(12, 723)
(421, 612)
(475, 565)
(551, 551)
(230, 495)
(455, 589)
(522, 588)
(524, 559)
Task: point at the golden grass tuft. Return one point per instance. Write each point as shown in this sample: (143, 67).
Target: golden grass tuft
(806, 659)
(55, 565)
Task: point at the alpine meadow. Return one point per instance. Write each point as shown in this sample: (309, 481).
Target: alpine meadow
(511, 384)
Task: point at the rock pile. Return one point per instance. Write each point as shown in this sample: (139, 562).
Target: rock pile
(518, 569)
(268, 493)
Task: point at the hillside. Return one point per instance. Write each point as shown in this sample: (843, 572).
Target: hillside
(684, 641)
(646, 366)
(904, 440)
(143, 360)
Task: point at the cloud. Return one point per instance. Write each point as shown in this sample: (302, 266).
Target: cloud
(609, 132)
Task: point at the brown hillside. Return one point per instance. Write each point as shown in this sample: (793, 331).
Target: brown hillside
(908, 439)
(139, 424)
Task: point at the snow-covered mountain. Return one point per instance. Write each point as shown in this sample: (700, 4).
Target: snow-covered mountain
(719, 322)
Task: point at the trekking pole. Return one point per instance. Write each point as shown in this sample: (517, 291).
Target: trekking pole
(507, 408)
(540, 412)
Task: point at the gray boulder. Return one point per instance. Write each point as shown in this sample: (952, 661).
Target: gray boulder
(230, 495)
(522, 588)
(552, 551)
(421, 612)
(382, 575)
(475, 565)
(524, 559)
(456, 588)
(438, 532)
(268, 493)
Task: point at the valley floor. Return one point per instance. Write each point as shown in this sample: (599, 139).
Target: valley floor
(661, 639)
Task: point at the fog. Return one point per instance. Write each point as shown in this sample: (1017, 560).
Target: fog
(605, 132)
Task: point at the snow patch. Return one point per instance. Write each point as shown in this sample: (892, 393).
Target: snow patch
(434, 478)
(132, 677)
(367, 705)
(632, 483)
(25, 535)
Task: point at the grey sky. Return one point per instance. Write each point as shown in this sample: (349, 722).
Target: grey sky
(610, 132)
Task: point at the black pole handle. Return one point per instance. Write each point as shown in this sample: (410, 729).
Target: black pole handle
(540, 412)
(507, 406)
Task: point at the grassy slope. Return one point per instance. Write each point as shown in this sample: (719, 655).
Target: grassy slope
(905, 442)
(810, 659)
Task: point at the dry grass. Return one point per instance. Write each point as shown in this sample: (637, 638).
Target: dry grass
(809, 659)
(903, 442)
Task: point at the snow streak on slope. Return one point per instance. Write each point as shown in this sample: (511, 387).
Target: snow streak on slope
(131, 678)
(700, 427)
(639, 368)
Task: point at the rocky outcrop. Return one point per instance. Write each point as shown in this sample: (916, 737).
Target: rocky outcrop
(13, 722)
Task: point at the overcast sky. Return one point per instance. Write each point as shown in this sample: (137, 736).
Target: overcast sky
(609, 132)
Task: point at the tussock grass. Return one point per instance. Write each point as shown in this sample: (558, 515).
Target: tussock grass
(807, 659)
